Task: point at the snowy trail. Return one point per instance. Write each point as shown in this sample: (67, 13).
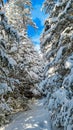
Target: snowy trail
(35, 119)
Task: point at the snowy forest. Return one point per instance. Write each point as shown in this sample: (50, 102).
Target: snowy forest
(36, 88)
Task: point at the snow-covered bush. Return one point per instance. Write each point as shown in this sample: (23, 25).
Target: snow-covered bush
(57, 46)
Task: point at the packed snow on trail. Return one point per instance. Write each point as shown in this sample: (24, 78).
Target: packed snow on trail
(35, 119)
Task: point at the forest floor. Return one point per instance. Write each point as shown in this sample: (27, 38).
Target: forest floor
(37, 118)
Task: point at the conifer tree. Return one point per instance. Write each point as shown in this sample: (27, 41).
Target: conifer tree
(7, 66)
(21, 14)
(20, 65)
(57, 46)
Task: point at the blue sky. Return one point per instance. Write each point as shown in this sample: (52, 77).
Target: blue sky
(38, 17)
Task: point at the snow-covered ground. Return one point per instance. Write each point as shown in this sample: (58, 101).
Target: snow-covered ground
(35, 119)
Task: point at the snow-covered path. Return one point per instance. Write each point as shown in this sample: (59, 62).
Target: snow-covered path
(35, 119)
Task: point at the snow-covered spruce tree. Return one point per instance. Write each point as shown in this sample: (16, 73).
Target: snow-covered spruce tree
(20, 68)
(7, 66)
(19, 14)
(27, 58)
(57, 46)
